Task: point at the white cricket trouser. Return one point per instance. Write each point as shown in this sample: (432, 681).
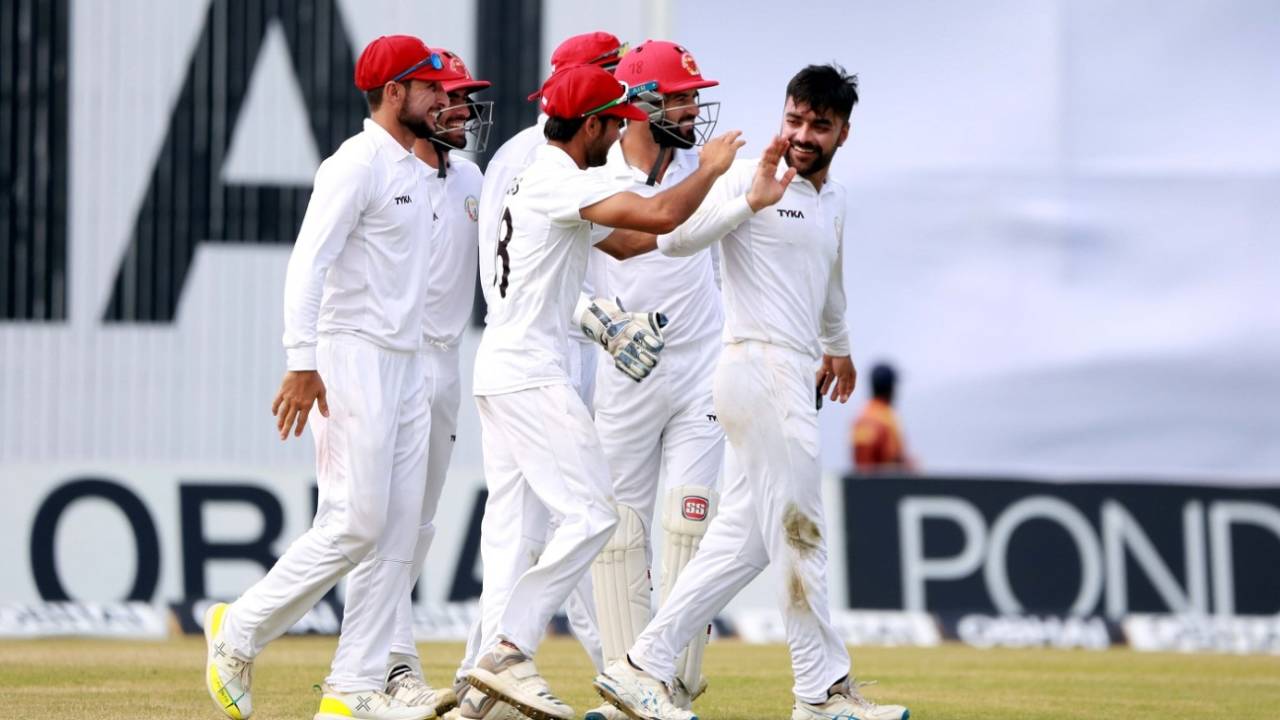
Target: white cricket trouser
(443, 397)
(371, 457)
(771, 510)
(583, 356)
(664, 427)
(540, 451)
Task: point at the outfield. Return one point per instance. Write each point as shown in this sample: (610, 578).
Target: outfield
(109, 680)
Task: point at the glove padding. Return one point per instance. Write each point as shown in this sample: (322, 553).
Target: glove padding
(633, 339)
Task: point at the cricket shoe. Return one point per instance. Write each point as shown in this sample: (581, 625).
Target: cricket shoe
(681, 696)
(366, 705)
(844, 702)
(475, 705)
(605, 712)
(404, 684)
(637, 694)
(226, 676)
(508, 675)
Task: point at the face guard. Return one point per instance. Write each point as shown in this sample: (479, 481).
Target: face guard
(475, 129)
(667, 133)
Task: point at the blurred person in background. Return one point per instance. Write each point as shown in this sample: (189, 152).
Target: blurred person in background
(876, 438)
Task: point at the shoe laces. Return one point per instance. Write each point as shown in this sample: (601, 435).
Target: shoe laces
(851, 692)
(416, 689)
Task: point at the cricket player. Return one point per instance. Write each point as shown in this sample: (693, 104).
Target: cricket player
(353, 307)
(540, 447)
(597, 48)
(784, 320)
(666, 426)
(593, 48)
(454, 189)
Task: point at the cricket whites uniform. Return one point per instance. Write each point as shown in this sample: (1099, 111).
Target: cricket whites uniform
(455, 199)
(664, 427)
(540, 447)
(514, 156)
(784, 307)
(354, 298)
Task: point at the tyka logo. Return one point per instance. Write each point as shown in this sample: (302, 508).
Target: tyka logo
(694, 507)
(782, 212)
(405, 200)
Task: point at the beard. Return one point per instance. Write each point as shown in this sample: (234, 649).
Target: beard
(418, 126)
(811, 164)
(672, 135)
(452, 140)
(598, 154)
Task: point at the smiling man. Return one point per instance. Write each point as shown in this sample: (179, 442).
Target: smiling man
(784, 328)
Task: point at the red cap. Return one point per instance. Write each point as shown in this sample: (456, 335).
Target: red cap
(453, 62)
(593, 48)
(400, 57)
(582, 90)
(670, 64)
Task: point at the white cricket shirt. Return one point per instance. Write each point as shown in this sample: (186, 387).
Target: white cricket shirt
(683, 288)
(533, 273)
(452, 274)
(513, 157)
(781, 267)
(359, 265)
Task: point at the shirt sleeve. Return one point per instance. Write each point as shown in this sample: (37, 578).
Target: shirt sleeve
(722, 211)
(835, 333)
(338, 199)
(579, 190)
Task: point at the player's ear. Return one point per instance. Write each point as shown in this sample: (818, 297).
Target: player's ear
(844, 133)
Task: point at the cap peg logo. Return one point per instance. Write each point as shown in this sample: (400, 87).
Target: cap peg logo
(689, 64)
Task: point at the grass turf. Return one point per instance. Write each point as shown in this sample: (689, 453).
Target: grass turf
(106, 680)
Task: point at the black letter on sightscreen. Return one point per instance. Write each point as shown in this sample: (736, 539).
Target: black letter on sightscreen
(197, 550)
(45, 528)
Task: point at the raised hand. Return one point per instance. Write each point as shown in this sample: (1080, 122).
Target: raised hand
(718, 154)
(767, 188)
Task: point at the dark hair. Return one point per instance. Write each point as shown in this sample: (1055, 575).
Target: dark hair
(823, 88)
(883, 379)
(374, 98)
(561, 129)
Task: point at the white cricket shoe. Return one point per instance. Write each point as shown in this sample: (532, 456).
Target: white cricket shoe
(844, 702)
(508, 675)
(225, 676)
(681, 696)
(366, 705)
(638, 694)
(605, 712)
(475, 705)
(404, 684)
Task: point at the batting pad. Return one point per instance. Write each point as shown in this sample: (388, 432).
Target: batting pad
(685, 516)
(620, 576)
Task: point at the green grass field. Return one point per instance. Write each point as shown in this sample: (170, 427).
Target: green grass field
(107, 680)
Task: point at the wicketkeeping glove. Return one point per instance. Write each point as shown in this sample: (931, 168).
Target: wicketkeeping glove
(633, 339)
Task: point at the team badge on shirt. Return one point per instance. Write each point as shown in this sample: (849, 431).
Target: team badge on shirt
(473, 207)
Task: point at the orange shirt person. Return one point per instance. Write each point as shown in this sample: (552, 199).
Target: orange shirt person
(876, 438)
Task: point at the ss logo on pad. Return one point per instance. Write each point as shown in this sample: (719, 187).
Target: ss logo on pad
(695, 508)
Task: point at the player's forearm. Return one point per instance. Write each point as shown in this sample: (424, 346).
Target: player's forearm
(623, 244)
(711, 223)
(302, 292)
(673, 207)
